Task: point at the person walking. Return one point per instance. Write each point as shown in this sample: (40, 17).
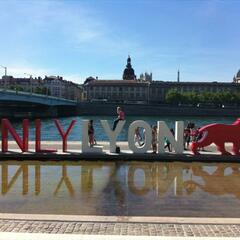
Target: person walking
(121, 117)
(168, 144)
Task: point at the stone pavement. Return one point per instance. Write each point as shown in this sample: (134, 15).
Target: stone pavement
(117, 228)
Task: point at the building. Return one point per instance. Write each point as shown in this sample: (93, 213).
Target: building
(58, 87)
(236, 79)
(127, 90)
(117, 90)
(21, 84)
(145, 77)
(128, 73)
(159, 89)
(50, 85)
(146, 90)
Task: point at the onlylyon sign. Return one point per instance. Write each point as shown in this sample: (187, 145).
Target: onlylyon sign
(163, 132)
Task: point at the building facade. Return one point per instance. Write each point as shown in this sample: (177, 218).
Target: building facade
(49, 85)
(117, 90)
(148, 91)
(21, 84)
(236, 78)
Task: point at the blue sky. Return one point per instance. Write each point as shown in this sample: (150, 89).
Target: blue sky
(77, 39)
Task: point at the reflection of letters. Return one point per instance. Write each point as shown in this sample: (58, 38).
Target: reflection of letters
(86, 179)
(169, 174)
(147, 180)
(158, 178)
(6, 187)
(37, 179)
(66, 180)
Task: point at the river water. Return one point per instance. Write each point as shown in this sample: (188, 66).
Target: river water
(50, 132)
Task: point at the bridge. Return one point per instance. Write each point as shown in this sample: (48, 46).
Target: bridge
(18, 96)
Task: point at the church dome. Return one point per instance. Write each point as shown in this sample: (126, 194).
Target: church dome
(238, 74)
(128, 73)
(89, 79)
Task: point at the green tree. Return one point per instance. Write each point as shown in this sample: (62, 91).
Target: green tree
(173, 96)
(191, 97)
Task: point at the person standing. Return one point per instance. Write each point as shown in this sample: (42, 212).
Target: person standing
(91, 133)
(154, 139)
(138, 137)
(121, 117)
(187, 136)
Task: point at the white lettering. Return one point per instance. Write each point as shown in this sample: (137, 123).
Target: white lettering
(164, 132)
(112, 135)
(131, 138)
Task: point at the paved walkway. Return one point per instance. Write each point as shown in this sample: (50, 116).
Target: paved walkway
(74, 153)
(116, 228)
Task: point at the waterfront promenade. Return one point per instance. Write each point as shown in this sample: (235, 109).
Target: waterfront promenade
(14, 226)
(45, 226)
(210, 154)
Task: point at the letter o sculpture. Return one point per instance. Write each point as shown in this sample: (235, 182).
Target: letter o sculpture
(148, 136)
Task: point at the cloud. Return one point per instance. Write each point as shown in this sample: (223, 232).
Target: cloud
(69, 20)
(70, 25)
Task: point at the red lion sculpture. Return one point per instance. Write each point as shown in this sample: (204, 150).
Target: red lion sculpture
(219, 134)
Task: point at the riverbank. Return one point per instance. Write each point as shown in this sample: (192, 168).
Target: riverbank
(109, 109)
(74, 153)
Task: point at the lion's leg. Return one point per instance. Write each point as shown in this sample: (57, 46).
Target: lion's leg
(221, 148)
(200, 144)
(236, 147)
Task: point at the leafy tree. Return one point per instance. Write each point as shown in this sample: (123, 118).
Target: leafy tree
(173, 96)
(191, 97)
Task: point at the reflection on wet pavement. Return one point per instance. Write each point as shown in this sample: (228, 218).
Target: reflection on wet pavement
(120, 188)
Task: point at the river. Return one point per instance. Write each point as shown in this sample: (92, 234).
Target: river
(50, 132)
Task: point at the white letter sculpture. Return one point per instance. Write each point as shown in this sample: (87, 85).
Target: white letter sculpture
(148, 136)
(163, 131)
(85, 140)
(112, 134)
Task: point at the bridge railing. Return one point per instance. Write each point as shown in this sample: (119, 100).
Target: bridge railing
(35, 95)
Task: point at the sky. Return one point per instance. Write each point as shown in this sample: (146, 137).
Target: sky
(78, 39)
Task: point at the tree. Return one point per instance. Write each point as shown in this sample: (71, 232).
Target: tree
(173, 96)
(191, 97)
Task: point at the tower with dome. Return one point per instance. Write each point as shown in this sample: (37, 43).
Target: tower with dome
(128, 73)
(236, 79)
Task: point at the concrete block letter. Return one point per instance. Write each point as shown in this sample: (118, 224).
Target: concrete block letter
(22, 143)
(112, 134)
(38, 139)
(164, 132)
(148, 136)
(63, 134)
